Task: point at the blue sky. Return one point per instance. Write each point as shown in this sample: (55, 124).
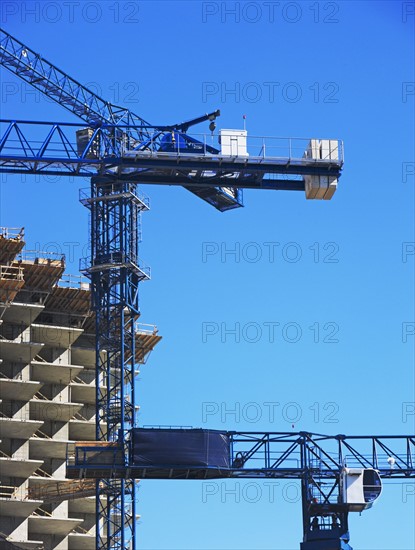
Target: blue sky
(338, 69)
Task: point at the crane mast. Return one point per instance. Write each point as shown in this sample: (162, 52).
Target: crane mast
(114, 272)
(118, 150)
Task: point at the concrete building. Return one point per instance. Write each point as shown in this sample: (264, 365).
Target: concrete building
(47, 393)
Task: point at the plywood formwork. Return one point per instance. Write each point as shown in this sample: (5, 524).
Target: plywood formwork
(40, 274)
(11, 281)
(47, 390)
(11, 243)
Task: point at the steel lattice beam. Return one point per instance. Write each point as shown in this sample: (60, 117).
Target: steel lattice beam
(55, 84)
(317, 460)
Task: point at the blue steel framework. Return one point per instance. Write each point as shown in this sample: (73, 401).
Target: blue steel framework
(115, 209)
(50, 148)
(85, 104)
(115, 273)
(317, 460)
(121, 151)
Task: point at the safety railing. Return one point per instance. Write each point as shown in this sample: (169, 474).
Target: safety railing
(7, 491)
(67, 141)
(114, 259)
(12, 233)
(74, 281)
(144, 328)
(95, 454)
(40, 257)
(110, 190)
(166, 427)
(225, 146)
(381, 461)
(11, 273)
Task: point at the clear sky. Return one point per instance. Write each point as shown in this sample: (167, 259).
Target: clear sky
(342, 360)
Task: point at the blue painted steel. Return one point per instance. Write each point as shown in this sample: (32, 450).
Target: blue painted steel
(280, 455)
(314, 459)
(78, 99)
(115, 272)
(218, 180)
(60, 87)
(124, 149)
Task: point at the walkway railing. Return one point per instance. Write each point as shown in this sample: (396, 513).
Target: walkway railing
(74, 281)
(68, 141)
(12, 233)
(11, 273)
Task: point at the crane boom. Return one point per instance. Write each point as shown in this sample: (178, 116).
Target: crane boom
(339, 474)
(249, 455)
(64, 90)
(55, 84)
(272, 163)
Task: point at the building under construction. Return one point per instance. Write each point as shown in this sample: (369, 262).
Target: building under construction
(48, 394)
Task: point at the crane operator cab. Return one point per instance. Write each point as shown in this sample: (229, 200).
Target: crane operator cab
(178, 142)
(360, 488)
(233, 143)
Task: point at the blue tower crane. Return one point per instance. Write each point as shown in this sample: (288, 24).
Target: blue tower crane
(118, 150)
(338, 474)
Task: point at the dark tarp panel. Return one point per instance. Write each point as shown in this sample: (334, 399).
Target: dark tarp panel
(180, 447)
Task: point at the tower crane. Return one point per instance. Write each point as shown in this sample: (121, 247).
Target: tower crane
(338, 474)
(118, 150)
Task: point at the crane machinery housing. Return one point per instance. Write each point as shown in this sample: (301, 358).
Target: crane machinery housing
(118, 150)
